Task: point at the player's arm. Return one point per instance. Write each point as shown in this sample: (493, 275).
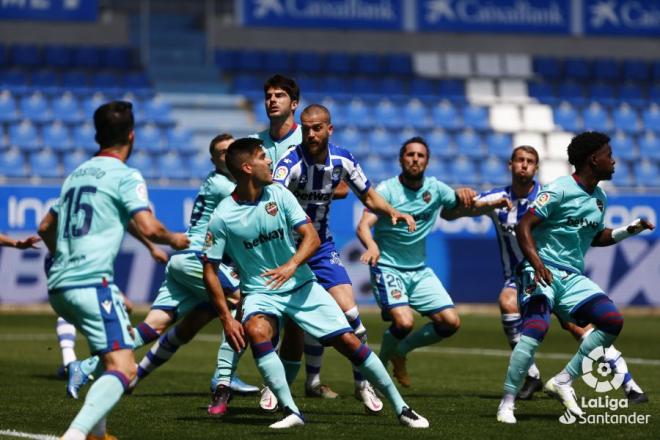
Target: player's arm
(152, 229)
(309, 244)
(341, 192)
(528, 246)
(479, 207)
(233, 329)
(372, 254)
(27, 243)
(377, 204)
(156, 252)
(608, 236)
(48, 231)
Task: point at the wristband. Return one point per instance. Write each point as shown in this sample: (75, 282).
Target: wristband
(634, 228)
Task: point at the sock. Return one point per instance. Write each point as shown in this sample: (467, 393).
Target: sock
(391, 339)
(521, 358)
(74, 434)
(99, 429)
(427, 335)
(160, 353)
(597, 338)
(512, 325)
(353, 317)
(619, 366)
(291, 369)
(92, 366)
(66, 335)
(226, 364)
(372, 368)
(508, 399)
(563, 378)
(100, 399)
(534, 371)
(271, 369)
(143, 335)
(313, 358)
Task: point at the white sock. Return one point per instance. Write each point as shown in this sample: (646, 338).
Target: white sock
(563, 378)
(508, 399)
(534, 371)
(74, 434)
(66, 335)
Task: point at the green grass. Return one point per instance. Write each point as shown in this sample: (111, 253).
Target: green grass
(458, 392)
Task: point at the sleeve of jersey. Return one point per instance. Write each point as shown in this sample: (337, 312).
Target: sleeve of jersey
(214, 244)
(447, 195)
(295, 215)
(283, 170)
(133, 192)
(55, 208)
(384, 192)
(545, 203)
(356, 178)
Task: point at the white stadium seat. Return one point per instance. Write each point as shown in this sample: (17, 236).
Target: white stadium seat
(505, 117)
(488, 65)
(480, 91)
(427, 64)
(458, 64)
(517, 65)
(537, 117)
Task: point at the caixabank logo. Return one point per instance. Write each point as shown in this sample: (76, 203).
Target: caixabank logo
(598, 374)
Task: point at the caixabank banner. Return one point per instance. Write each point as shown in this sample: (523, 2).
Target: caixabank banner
(464, 253)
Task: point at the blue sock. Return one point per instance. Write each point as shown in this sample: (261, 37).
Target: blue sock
(143, 335)
(271, 369)
(160, 352)
(101, 398)
(372, 368)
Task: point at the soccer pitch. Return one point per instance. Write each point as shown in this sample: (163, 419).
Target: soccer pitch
(457, 385)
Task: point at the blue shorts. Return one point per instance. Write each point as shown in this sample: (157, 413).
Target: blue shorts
(98, 312)
(420, 289)
(309, 306)
(327, 266)
(183, 289)
(510, 283)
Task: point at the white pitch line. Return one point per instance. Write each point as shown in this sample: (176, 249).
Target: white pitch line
(13, 433)
(27, 337)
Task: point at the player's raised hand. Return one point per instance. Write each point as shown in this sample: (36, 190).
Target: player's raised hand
(543, 276)
(234, 334)
(159, 255)
(640, 225)
(279, 275)
(502, 203)
(179, 241)
(28, 243)
(410, 221)
(371, 256)
(466, 196)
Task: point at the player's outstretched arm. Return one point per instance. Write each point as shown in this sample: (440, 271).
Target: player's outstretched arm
(156, 253)
(27, 243)
(153, 230)
(233, 329)
(608, 237)
(309, 243)
(528, 246)
(475, 207)
(48, 231)
(376, 203)
(372, 254)
(341, 192)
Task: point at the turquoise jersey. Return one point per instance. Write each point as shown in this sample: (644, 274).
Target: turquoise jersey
(96, 202)
(275, 148)
(571, 218)
(398, 247)
(215, 188)
(257, 237)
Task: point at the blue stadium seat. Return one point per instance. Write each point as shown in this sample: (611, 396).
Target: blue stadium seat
(543, 91)
(464, 171)
(158, 110)
(56, 136)
(398, 64)
(45, 81)
(44, 164)
(625, 118)
(500, 145)
(635, 70)
(623, 147)
(632, 93)
(148, 138)
(247, 83)
(369, 64)
(199, 165)
(392, 86)
(494, 171)
(375, 168)
(12, 163)
(107, 82)
(566, 117)
(87, 57)
(277, 61)
(25, 55)
(622, 175)
(379, 139)
(440, 144)
(24, 135)
(4, 59)
(58, 57)
(89, 105)
(606, 69)
(572, 92)
(469, 144)
(349, 138)
(603, 93)
(119, 58)
(445, 116)
(137, 81)
(577, 69)
(339, 63)
(655, 71)
(16, 81)
(547, 68)
(649, 146)
(362, 85)
(75, 81)
(180, 139)
(35, 107)
(421, 86)
(307, 62)
(650, 116)
(595, 118)
(83, 137)
(250, 61)
(454, 89)
(403, 135)
(227, 60)
(647, 173)
(70, 161)
(172, 166)
(386, 114)
(67, 109)
(476, 117)
(143, 163)
(334, 85)
(358, 113)
(436, 168)
(654, 93)
(415, 114)
(8, 110)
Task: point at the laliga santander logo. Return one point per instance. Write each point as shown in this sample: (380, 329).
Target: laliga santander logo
(596, 372)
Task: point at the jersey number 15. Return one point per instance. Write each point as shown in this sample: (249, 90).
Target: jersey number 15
(73, 207)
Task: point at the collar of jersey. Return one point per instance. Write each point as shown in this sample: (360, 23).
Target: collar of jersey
(577, 180)
(530, 196)
(309, 161)
(409, 188)
(245, 202)
(293, 129)
(107, 154)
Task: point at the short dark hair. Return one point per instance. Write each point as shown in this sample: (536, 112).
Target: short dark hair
(414, 140)
(237, 153)
(527, 149)
(113, 122)
(285, 83)
(584, 145)
(219, 138)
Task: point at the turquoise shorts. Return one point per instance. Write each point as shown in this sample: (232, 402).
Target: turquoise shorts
(420, 289)
(309, 306)
(98, 312)
(183, 288)
(566, 294)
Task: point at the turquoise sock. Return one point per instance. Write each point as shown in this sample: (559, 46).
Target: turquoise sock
(388, 346)
(421, 338)
(227, 363)
(291, 369)
(372, 368)
(521, 359)
(596, 338)
(91, 365)
(271, 368)
(102, 396)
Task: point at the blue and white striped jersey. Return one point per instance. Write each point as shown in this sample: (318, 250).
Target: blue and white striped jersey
(313, 184)
(505, 220)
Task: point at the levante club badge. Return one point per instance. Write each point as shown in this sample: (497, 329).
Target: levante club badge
(426, 196)
(271, 208)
